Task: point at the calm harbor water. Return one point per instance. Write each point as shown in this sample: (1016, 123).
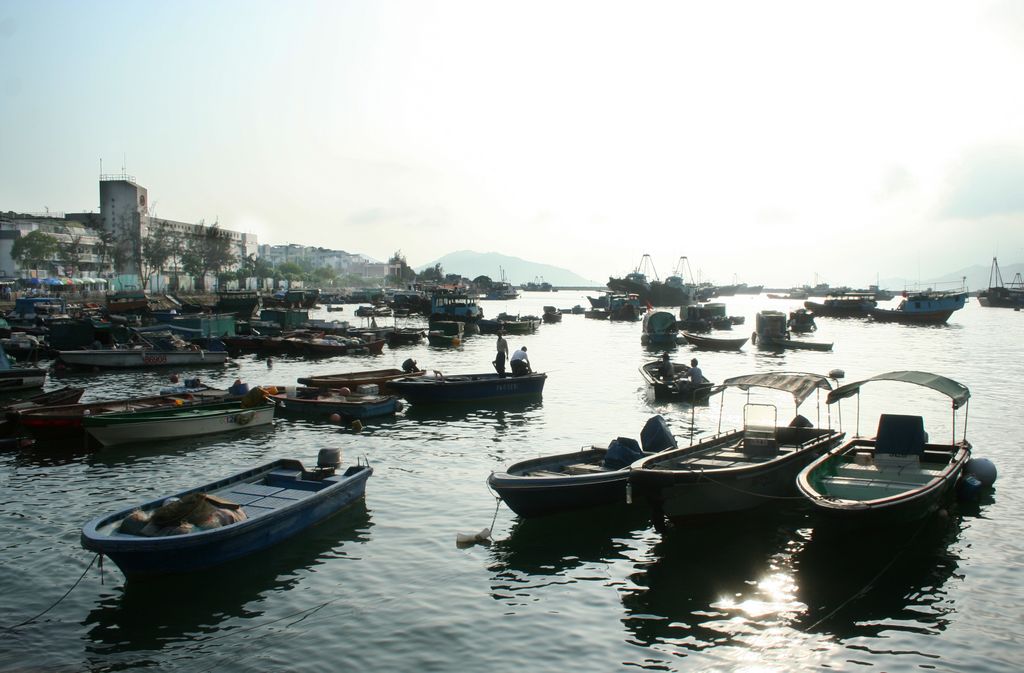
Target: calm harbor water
(383, 586)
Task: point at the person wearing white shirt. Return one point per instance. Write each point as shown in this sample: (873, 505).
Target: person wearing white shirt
(520, 362)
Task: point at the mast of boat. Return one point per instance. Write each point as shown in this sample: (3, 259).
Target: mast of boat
(994, 272)
(641, 268)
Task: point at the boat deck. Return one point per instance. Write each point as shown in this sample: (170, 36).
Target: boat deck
(726, 457)
(280, 488)
(855, 481)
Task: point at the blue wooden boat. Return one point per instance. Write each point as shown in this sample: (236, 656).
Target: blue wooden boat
(256, 508)
(923, 308)
(590, 477)
(899, 476)
(468, 388)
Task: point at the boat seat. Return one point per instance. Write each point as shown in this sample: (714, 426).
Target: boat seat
(900, 434)
(584, 468)
(759, 441)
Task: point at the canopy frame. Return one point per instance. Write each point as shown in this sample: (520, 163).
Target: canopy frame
(958, 393)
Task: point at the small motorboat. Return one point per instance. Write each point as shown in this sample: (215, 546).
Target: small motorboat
(177, 422)
(352, 380)
(482, 388)
(226, 519)
(64, 421)
(771, 333)
(898, 476)
(706, 343)
(322, 403)
(679, 387)
(587, 478)
(737, 469)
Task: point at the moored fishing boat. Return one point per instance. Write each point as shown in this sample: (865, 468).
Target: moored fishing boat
(176, 422)
(226, 519)
(737, 469)
(240, 303)
(1000, 295)
(899, 475)
(19, 378)
(586, 478)
(434, 389)
(551, 315)
(446, 333)
(323, 403)
(844, 305)
(352, 380)
(9, 408)
(678, 387)
(713, 343)
(133, 358)
(659, 329)
(770, 333)
(64, 421)
(924, 308)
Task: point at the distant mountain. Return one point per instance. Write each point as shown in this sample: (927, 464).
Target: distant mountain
(517, 271)
(977, 278)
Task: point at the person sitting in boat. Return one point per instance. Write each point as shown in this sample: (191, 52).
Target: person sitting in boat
(666, 370)
(410, 366)
(520, 363)
(695, 374)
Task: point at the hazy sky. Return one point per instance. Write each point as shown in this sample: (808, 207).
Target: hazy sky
(767, 140)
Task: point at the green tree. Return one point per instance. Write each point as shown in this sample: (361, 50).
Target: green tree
(71, 252)
(325, 275)
(289, 271)
(208, 253)
(175, 253)
(434, 273)
(483, 283)
(399, 272)
(156, 250)
(35, 250)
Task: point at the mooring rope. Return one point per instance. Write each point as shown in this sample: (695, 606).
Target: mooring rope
(864, 589)
(32, 619)
(704, 475)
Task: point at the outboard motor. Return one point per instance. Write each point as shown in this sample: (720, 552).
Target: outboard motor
(328, 460)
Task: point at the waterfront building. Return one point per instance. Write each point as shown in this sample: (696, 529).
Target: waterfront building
(109, 243)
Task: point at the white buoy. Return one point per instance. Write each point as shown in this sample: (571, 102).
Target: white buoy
(467, 539)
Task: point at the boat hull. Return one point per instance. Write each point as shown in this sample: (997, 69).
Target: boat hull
(353, 380)
(836, 483)
(469, 388)
(132, 359)
(544, 486)
(283, 504)
(22, 378)
(115, 429)
(713, 344)
(352, 407)
(711, 478)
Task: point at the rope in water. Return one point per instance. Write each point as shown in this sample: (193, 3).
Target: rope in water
(863, 590)
(32, 619)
